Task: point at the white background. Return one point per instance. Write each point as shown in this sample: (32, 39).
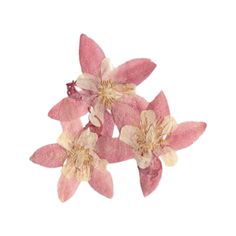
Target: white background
(194, 46)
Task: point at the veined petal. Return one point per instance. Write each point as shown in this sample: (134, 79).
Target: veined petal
(101, 181)
(91, 55)
(124, 114)
(133, 71)
(150, 177)
(68, 109)
(52, 155)
(129, 135)
(170, 158)
(160, 106)
(106, 69)
(88, 82)
(185, 134)
(96, 116)
(66, 187)
(148, 118)
(87, 139)
(135, 101)
(113, 150)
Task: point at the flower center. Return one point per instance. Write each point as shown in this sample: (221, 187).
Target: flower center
(78, 164)
(152, 136)
(109, 91)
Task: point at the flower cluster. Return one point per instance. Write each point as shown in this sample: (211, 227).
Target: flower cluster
(147, 131)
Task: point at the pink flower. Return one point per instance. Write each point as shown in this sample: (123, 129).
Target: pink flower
(153, 133)
(83, 157)
(101, 84)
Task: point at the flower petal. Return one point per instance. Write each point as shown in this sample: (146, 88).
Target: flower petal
(135, 101)
(91, 55)
(101, 181)
(106, 69)
(185, 134)
(113, 150)
(150, 177)
(52, 155)
(133, 71)
(87, 139)
(72, 128)
(160, 106)
(68, 109)
(144, 160)
(88, 82)
(170, 158)
(66, 187)
(97, 114)
(148, 118)
(129, 135)
(124, 114)
(107, 126)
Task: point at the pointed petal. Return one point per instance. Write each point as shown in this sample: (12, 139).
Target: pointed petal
(66, 187)
(87, 82)
(113, 150)
(124, 114)
(185, 134)
(52, 155)
(160, 106)
(133, 71)
(72, 128)
(148, 117)
(150, 177)
(170, 158)
(101, 181)
(91, 55)
(68, 109)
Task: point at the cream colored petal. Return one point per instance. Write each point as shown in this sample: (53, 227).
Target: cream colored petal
(151, 134)
(144, 161)
(88, 82)
(87, 139)
(97, 114)
(129, 135)
(106, 68)
(98, 163)
(148, 118)
(125, 89)
(65, 141)
(168, 124)
(170, 158)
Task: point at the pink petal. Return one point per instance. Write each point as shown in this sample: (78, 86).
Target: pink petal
(52, 155)
(68, 109)
(160, 106)
(124, 114)
(72, 127)
(91, 55)
(134, 71)
(107, 127)
(150, 177)
(101, 181)
(185, 134)
(66, 187)
(113, 150)
(135, 101)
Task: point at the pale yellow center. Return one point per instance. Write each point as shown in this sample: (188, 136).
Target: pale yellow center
(78, 163)
(109, 91)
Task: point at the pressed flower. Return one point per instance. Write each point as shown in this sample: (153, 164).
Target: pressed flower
(79, 153)
(102, 83)
(153, 133)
